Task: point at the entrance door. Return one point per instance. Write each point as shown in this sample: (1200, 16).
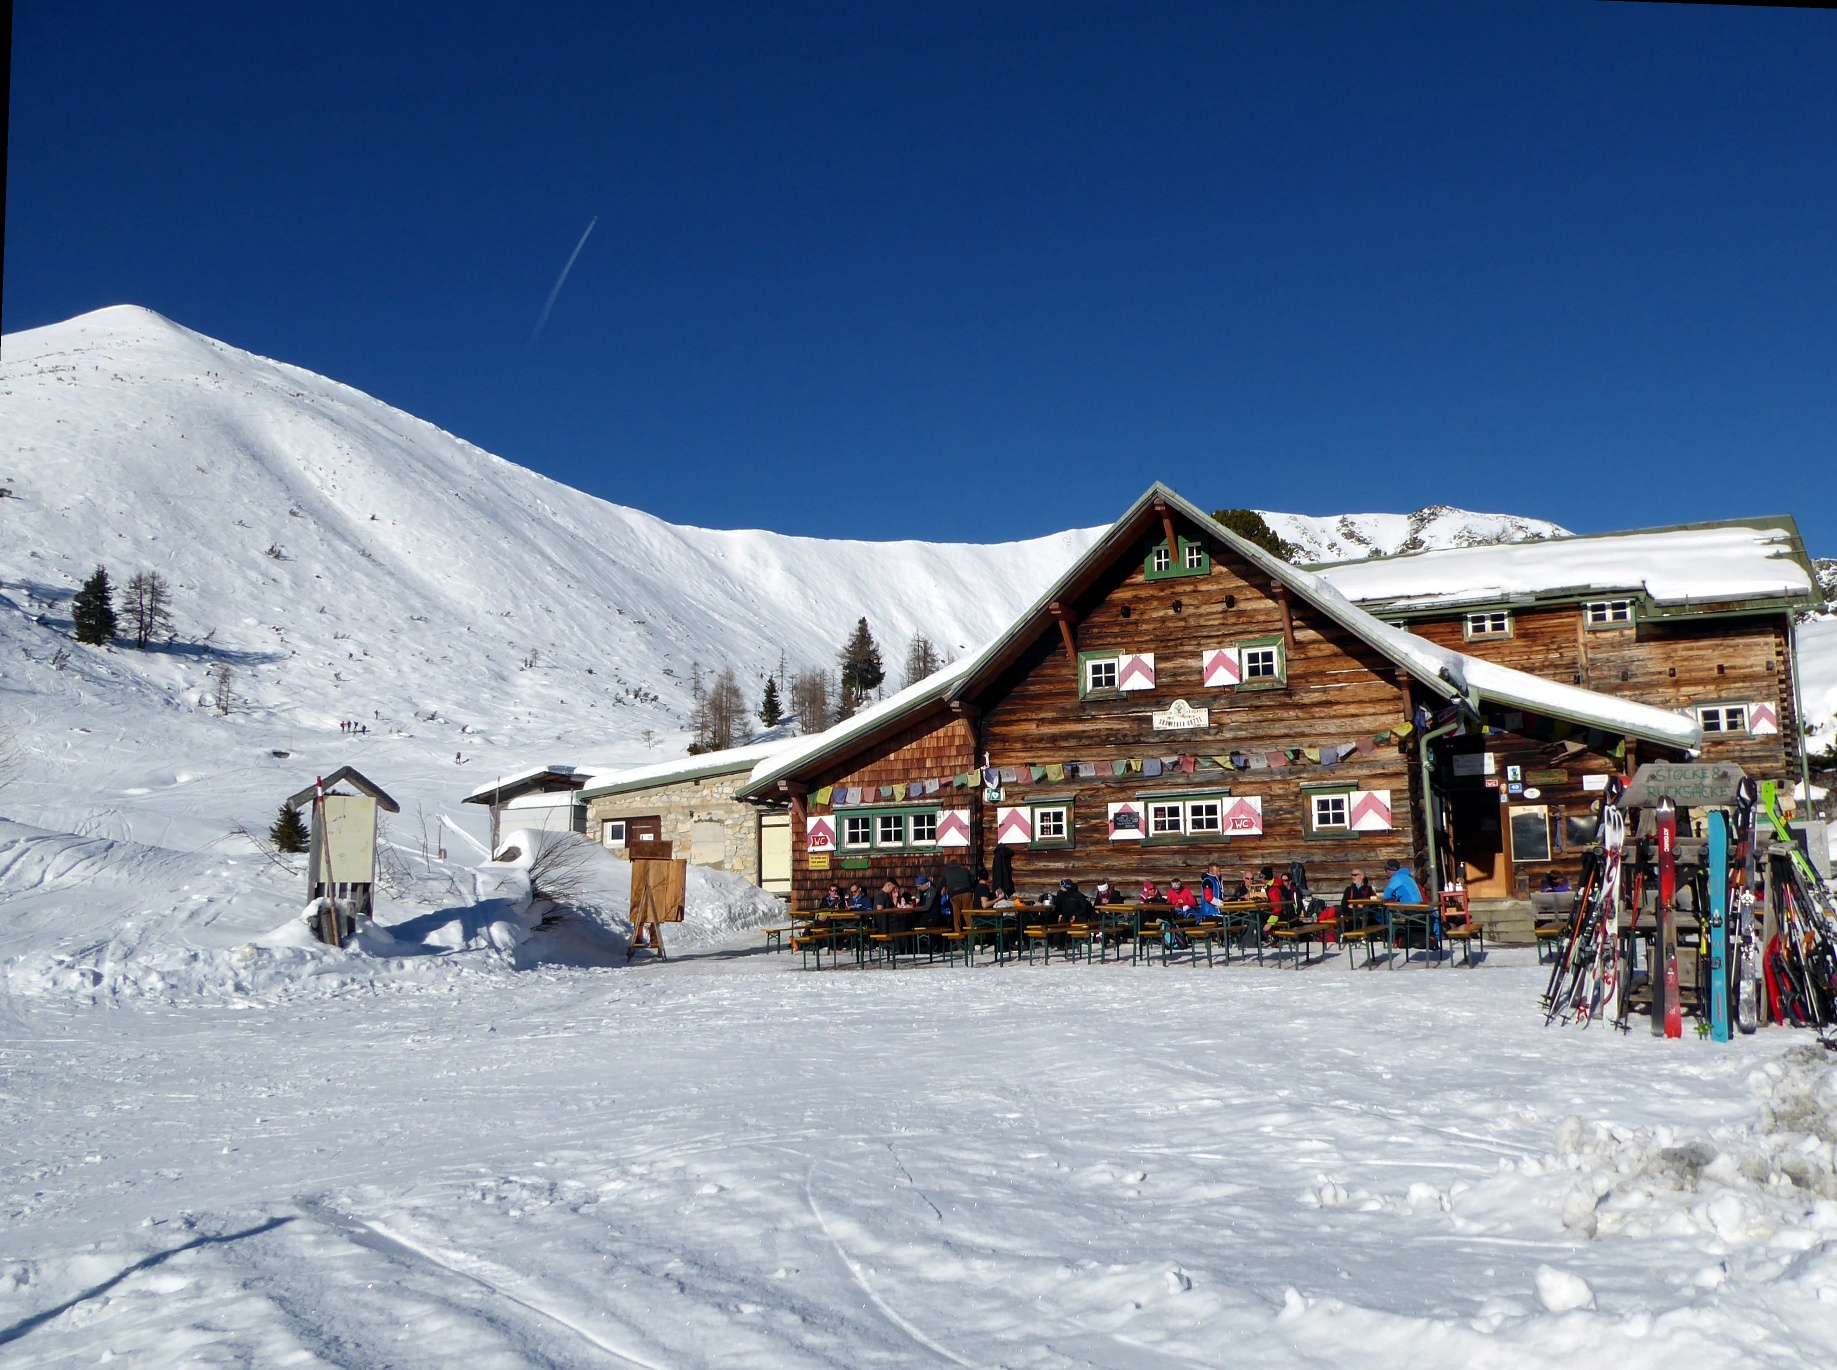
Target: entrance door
(775, 853)
(640, 830)
(1479, 839)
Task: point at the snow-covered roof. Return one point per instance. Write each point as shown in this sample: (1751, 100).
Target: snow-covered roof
(521, 781)
(1693, 565)
(689, 767)
(888, 711)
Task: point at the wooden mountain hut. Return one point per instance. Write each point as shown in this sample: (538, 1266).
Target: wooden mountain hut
(1180, 696)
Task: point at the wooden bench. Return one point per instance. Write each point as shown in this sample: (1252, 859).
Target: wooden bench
(775, 937)
(1466, 932)
(1366, 936)
(1551, 935)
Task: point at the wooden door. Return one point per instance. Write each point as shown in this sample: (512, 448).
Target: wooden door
(775, 853)
(1479, 839)
(643, 830)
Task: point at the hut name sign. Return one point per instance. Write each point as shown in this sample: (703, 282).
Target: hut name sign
(1688, 785)
(1180, 715)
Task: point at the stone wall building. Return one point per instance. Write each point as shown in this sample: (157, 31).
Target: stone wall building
(692, 804)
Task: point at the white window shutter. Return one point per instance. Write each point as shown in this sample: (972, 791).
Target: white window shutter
(1013, 826)
(1135, 671)
(953, 828)
(1220, 667)
(1370, 811)
(1763, 719)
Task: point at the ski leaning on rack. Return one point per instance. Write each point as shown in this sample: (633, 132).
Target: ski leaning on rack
(1801, 958)
(1667, 1010)
(1741, 909)
(1585, 982)
(1718, 927)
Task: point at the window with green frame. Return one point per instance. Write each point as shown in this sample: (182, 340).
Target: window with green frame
(1052, 822)
(1198, 814)
(891, 829)
(1097, 675)
(1326, 812)
(1190, 558)
(1263, 663)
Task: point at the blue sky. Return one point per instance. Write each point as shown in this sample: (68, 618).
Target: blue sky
(975, 272)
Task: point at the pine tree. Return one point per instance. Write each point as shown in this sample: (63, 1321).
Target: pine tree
(771, 712)
(288, 833)
(146, 604)
(1251, 526)
(93, 609)
(862, 670)
(922, 659)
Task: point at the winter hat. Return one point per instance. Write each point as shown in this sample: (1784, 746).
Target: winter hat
(1066, 883)
(1393, 865)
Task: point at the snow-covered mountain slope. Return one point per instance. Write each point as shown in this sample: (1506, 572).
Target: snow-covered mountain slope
(349, 561)
(1343, 537)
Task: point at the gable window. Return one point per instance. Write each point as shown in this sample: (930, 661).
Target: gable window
(1264, 666)
(1100, 674)
(925, 828)
(857, 830)
(1188, 557)
(1494, 623)
(1722, 718)
(1608, 613)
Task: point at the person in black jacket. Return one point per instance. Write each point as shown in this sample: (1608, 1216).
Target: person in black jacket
(1070, 905)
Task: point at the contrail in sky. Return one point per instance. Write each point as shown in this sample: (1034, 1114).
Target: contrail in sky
(561, 280)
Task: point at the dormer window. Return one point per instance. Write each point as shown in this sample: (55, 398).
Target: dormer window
(1608, 613)
(1493, 623)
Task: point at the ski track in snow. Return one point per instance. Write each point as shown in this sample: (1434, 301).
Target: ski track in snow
(729, 1161)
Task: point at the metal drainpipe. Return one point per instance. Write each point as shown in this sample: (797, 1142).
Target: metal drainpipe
(1428, 808)
(1798, 715)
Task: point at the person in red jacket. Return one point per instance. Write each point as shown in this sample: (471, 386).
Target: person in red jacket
(1179, 897)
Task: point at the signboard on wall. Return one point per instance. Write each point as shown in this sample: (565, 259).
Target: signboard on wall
(1689, 785)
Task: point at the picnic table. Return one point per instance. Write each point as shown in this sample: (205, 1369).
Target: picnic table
(1407, 916)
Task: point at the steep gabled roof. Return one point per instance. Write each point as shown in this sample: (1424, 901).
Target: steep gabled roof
(356, 780)
(1450, 674)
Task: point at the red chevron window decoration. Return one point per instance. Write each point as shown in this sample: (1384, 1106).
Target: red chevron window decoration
(1763, 719)
(820, 834)
(1370, 811)
(1243, 817)
(953, 828)
(1013, 827)
(1220, 668)
(1135, 672)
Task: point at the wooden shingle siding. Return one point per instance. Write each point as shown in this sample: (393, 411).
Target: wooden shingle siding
(935, 747)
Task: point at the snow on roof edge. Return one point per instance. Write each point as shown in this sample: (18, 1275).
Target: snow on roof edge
(932, 687)
(686, 767)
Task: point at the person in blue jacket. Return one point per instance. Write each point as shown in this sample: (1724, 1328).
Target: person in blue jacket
(1401, 886)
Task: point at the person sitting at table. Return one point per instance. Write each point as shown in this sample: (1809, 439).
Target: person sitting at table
(1151, 894)
(928, 900)
(859, 900)
(984, 892)
(1104, 893)
(1070, 904)
(1276, 890)
(1554, 882)
(889, 896)
(1400, 886)
(835, 899)
(1212, 892)
(1360, 888)
(1179, 897)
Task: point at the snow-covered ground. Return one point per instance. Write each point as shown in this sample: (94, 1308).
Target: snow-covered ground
(726, 1161)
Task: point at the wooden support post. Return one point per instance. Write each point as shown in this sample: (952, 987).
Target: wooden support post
(1167, 526)
(797, 792)
(1066, 622)
(1288, 625)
